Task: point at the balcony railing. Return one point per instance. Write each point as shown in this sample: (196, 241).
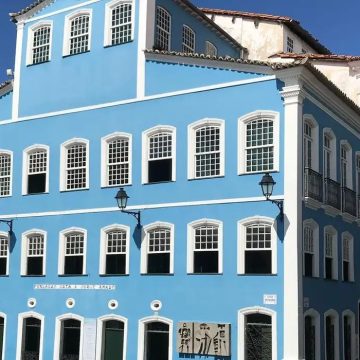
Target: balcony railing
(313, 185)
(332, 193)
(30, 355)
(348, 201)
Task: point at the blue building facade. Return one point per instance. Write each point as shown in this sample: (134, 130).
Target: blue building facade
(111, 94)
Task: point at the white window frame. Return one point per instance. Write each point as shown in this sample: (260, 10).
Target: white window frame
(24, 250)
(190, 243)
(67, 30)
(4, 234)
(310, 120)
(99, 333)
(186, 48)
(145, 242)
(315, 228)
(348, 236)
(141, 334)
(62, 238)
(105, 154)
(162, 29)
(192, 128)
(350, 314)
(107, 28)
(289, 44)
(57, 341)
(242, 123)
(329, 229)
(344, 144)
(145, 150)
(30, 40)
(10, 153)
(241, 329)
(241, 236)
(210, 49)
(335, 315)
(333, 159)
(20, 331)
(103, 242)
(63, 162)
(3, 315)
(316, 316)
(25, 166)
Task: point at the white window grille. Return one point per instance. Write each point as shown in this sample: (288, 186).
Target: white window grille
(121, 23)
(163, 29)
(118, 162)
(289, 45)
(308, 144)
(79, 34)
(327, 156)
(72, 253)
(41, 45)
(210, 49)
(159, 241)
(76, 166)
(330, 253)
(310, 248)
(4, 255)
(5, 174)
(35, 254)
(37, 164)
(188, 40)
(344, 166)
(308, 240)
(74, 244)
(116, 248)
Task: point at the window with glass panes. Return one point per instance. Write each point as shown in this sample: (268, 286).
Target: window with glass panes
(70, 339)
(35, 255)
(121, 23)
(4, 255)
(158, 251)
(37, 170)
(31, 339)
(258, 249)
(79, 34)
(329, 256)
(347, 336)
(206, 249)
(289, 45)
(76, 162)
(207, 151)
(118, 166)
(113, 340)
(259, 145)
(41, 45)
(160, 157)
(210, 49)
(310, 338)
(163, 29)
(116, 245)
(309, 253)
(347, 259)
(327, 156)
(307, 145)
(330, 337)
(156, 340)
(5, 174)
(188, 40)
(2, 326)
(74, 254)
(344, 166)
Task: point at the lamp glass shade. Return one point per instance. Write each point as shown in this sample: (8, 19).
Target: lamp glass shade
(121, 198)
(267, 185)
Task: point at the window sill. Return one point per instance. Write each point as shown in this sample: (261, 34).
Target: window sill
(39, 63)
(70, 55)
(157, 274)
(70, 190)
(39, 193)
(4, 276)
(73, 275)
(265, 274)
(241, 173)
(348, 281)
(331, 280)
(206, 177)
(114, 275)
(114, 45)
(205, 274)
(114, 186)
(31, 276)
(159, 182)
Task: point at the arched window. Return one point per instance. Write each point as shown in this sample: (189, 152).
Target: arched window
(4, 254)
(206, 153)
(347, 257)
(258, 142)
(2, 336)
(205, 247)
(163, 29)
(329, 158)
(188, 40)
(331, 324)
(35, 169)
(348, 335)
(5, 173)
(257, 246)
(159, 150)
(330, 253)
(39, 43)
(311, 248)
(210, 49)
(157, 249)
(312, 335)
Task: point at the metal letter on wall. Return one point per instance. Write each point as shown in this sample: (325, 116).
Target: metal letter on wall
(204, 338)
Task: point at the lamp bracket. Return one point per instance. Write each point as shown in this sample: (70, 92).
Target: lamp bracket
(9, 223)
(280, 205)
(135, 214)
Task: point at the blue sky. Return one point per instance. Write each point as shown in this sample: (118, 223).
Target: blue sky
(334, 22)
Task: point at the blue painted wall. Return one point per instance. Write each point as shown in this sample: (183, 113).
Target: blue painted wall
(5, 106)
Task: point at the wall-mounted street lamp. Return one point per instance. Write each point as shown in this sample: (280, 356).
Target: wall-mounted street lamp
(122, 198)
(267, 186)
(9, 223)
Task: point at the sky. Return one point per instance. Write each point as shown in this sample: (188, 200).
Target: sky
(335, 23)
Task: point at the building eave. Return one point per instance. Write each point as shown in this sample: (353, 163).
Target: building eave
(30, 10)
(6, 87)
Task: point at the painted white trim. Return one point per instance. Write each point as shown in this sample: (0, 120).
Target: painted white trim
(190, 243)
(67, 28)
(61, 256)
(167, 12)
(242, 123)
(329, 229)
(347, 235)
(241, 241)
(5, 234)
(309, 118)
(335, 315)
(314, 226)
(100, 333)
(17, 71)
(20, 331)
(241, 329)
(139, 207)
(333, 155)
(316, 317)
(3, 315)
(10, 153)
(350, 314)
(145, 150)
(25, 166)
(192, 128)
(63, 162)
(349, 155)
(192, 32)
(103, 238)
(105, 140)
(30, 39)
(145, 241)
(24, 249)
(141, 334)
(141, 99)
(57, 341)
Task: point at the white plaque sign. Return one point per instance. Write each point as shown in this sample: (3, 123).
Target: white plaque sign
(74, 287)
(270, 299)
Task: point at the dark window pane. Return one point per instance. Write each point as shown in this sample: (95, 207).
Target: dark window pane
(31, 339)
(328, 268)
(347, 338)
(330, 339)
(113, 340)
(309, 338)
(308, 271)
(35, 265)
(3, 267)
(156, 341)
(36, 183)
(115, 264)
(258, 261)
(1, 335)
(206, 262)
(158, 263)
(346, 270)
(160, 170)
(73, 265)
(70, 344)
